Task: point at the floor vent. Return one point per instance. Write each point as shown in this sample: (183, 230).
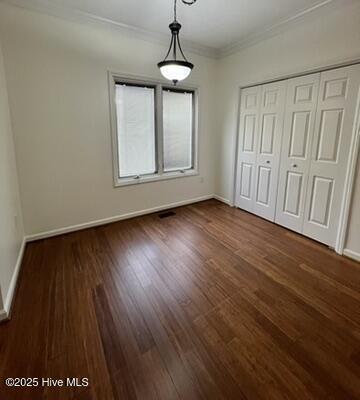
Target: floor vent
(167, 214)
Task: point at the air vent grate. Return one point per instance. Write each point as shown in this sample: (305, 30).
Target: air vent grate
(167, 214)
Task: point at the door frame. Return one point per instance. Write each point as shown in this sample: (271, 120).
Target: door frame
(353, 156)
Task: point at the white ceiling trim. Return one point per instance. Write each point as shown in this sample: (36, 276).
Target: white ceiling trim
(281, 26)
(45, 7)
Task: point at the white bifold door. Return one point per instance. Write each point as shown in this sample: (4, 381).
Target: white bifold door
(294, 145)
(261, 125)
(248, 142)
(334, 124)
(296, 150)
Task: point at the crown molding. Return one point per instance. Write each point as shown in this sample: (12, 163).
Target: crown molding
(74, 15)
(287, 23)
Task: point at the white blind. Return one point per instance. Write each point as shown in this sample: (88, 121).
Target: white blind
(177, 121)
(135, 110)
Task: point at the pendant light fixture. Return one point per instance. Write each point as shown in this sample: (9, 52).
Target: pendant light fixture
(171, 67)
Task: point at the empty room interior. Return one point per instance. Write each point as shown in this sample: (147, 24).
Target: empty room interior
(179, 199)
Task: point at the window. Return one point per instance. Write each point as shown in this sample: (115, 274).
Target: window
(135, 115)
(177, 130)
(154, 132)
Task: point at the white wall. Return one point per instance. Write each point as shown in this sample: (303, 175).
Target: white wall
(58, 91)
(11, 229)
(308, 45)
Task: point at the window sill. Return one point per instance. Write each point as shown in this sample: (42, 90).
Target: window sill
(155, 178)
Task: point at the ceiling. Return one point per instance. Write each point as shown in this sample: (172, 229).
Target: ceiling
(213, 24)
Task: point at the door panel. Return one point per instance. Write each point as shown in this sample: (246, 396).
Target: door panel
(251, 99)
(271, 119)
(248, 144)
(267, 134)
(248, 141)
(299, 122)
(293, 190)
(334, 125)
(304, 92)
(329, 135)
(246, 180)
(270, 96)
(263, 185)
(299, 135)
(335, 88)
(321, 197)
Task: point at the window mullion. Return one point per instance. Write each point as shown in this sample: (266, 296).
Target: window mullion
(159, 130)
(194, 139)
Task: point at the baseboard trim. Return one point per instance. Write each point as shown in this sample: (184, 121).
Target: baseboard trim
(6, 311)
(223, 200)
(3, 315)
(352, 254)
(91, 224)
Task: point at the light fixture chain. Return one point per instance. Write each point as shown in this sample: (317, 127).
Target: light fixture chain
(176, 70)
(187, 2)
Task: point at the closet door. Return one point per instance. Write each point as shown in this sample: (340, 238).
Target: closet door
(248, 138)
(334, 124)
(271, 123)
(301, 102)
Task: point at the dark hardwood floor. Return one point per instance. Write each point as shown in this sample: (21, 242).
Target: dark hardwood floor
(212, 303)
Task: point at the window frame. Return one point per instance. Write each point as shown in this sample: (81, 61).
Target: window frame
(179, 89)
(155, 112)
(159, 86)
